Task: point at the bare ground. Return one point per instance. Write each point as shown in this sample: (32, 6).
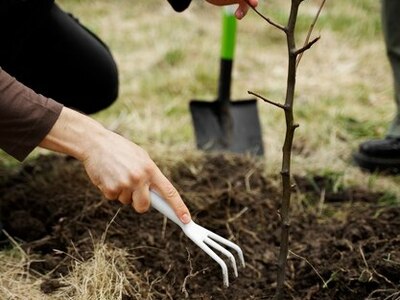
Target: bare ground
(344, 243)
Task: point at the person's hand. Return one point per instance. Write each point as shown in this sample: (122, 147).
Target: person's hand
(124, 171)
(242, 9)
(119, 168)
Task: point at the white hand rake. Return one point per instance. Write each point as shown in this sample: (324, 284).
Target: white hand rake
(202, 237)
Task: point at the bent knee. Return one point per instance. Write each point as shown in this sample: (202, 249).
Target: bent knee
(102, 90)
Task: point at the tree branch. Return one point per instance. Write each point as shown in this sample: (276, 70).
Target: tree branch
(310, 30)
(268, 20)
(294, 56)
(268, 101)
(306, 47)
(287, 149)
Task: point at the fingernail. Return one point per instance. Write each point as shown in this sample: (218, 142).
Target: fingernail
(185, 218)
(239, 14)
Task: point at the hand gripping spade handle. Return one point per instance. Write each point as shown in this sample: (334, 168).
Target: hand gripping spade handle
(202, 237)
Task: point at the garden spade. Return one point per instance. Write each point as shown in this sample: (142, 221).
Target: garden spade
(202, 237)
(223, 124)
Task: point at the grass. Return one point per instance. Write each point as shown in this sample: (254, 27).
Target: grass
(16, 283)
(344, 90)
(166, 59)
(102, 277)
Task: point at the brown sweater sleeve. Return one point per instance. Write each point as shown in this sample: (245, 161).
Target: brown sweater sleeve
(25, 117)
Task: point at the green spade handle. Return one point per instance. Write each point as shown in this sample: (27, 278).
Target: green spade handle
(228, 40)
(228, 32)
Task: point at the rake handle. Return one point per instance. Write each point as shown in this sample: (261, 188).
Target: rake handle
(163, 207)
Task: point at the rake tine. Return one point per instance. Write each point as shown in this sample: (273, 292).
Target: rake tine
(221, 249)
(224, 241)
(202, 237)
(214, 256)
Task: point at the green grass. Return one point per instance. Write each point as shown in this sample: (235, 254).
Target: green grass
(344, 85)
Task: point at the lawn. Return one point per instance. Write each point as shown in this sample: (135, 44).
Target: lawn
(344, 90)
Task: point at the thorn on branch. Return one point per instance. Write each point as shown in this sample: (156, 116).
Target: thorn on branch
(267, 100)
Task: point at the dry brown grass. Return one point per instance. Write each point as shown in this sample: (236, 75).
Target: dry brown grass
(16, 282)
(107, 275)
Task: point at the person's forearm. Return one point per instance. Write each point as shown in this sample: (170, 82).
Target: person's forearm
(25, 117)
(119, 168)
(73, 134)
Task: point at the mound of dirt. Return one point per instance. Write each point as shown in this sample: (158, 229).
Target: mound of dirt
(349, 248)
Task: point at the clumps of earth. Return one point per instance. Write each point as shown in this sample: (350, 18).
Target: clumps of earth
(349, 248)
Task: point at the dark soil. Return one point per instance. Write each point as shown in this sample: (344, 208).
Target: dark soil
(352, 242)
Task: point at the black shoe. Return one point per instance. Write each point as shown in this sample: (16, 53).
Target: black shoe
(379, 155)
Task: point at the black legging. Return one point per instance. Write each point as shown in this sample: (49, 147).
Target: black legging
(52, 53)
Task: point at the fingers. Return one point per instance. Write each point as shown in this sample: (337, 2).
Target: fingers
(253, 3)
(243, 8)
(166, 190)
(128, 174)
(128, 193)
(241, 11)
(141, 199)
(125, 197)
(109, 193)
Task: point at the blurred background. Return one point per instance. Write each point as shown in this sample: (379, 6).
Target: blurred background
(344, 92)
